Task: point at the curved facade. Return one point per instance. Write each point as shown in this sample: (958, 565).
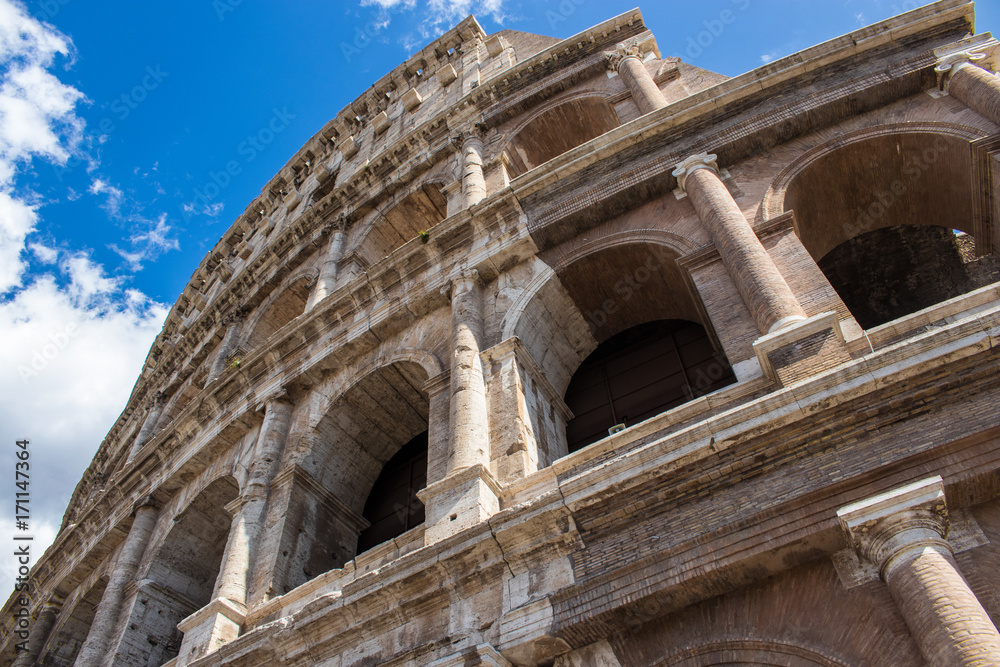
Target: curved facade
(559, 352)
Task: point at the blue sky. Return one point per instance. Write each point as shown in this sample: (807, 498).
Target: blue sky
(114, 116)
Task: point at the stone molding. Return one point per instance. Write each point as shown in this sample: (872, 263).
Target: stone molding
(234, 611)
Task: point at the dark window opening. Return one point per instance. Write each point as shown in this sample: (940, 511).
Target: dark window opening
(640, 373)
(891, 272)
(392, 507)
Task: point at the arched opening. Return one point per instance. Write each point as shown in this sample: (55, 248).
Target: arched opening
(417, 212)
(68, 636)
(182, 576)
(286, 307)
(371, 440)
(880, 216)
(620, 336)
(392, 507)
(557, 130)
(888, 273)
(640, 373)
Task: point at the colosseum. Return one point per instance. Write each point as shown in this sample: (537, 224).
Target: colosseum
(560, 352)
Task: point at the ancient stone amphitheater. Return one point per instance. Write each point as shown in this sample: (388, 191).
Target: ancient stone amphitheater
(558, 352)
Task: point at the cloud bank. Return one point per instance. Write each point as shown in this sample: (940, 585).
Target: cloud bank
(74, 336)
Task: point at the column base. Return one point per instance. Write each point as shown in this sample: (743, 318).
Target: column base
(208, 629)
(461, 500)
(801, 349)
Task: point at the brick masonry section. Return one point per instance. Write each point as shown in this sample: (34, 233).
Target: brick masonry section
(813, 354)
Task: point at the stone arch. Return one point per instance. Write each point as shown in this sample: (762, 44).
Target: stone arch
(284, 305)
(751, 652)
(181, 576)
(372, 414)
(876, 209)
(594, 293)
(566, 303)
(425, 360)
(399, 221)
(555, 128)
(70, 630)
(923, 157)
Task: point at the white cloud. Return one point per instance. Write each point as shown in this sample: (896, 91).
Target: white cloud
(114, 197)
(69, 359)
(44, 253)
(17, 220)
(439, 15)
(149, 244)
(74, 337)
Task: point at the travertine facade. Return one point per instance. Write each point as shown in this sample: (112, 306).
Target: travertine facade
(374, 429)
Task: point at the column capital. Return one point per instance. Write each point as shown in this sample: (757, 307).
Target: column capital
(887, 525)
(694, 163)
(159, 398)
(146, 502)
(623, 51)
(462, 282)
(437, 384)
(233, 317)
(280, 395)
(476, 133)
(339, 224)
(949, 64)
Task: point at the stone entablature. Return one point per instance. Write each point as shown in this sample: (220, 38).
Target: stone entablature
(535, 555)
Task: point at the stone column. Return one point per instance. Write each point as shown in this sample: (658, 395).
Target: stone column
(232, 580)
(226, 348)
(438, 391)
(250, 518)
(469, 441)
(148, 426)
(765, 292)
(972, 85)
(468, 493)
(903, 532)
(473, 180)
(626, 59)
(328, 271)
(97, 645)
(38, 634)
